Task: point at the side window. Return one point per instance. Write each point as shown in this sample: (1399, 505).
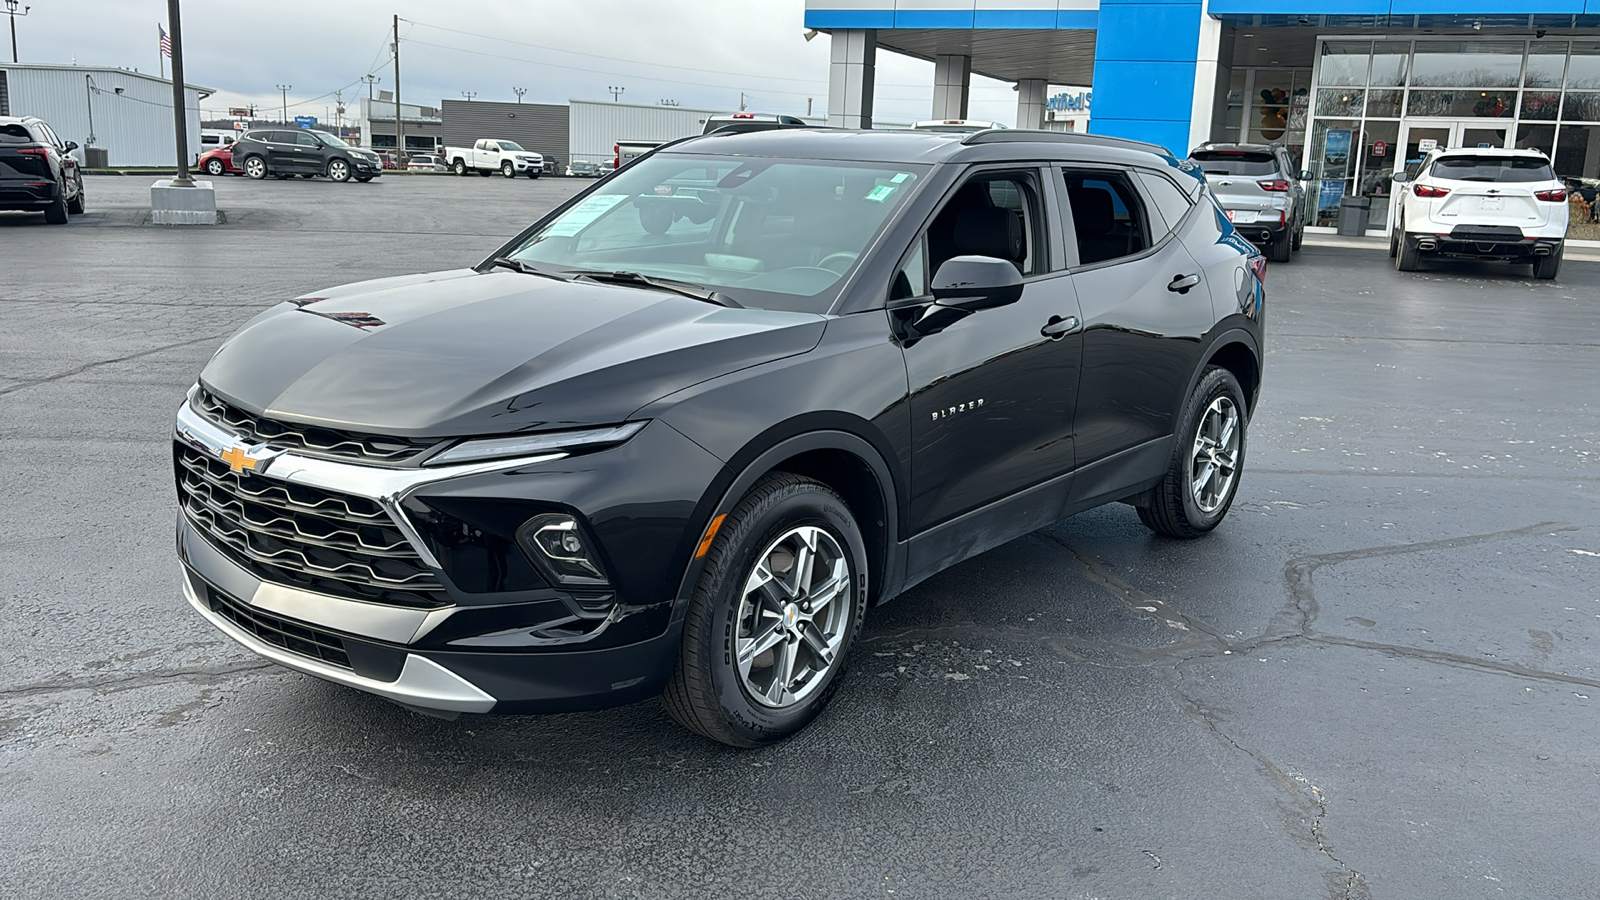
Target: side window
(912, 279)
(1170, 204)
(1108, 220)
(994, 214)
(305, 139)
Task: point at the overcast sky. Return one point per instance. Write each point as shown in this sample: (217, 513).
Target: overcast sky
(698, 52)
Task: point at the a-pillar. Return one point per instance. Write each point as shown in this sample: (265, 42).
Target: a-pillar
(952, 83)
(1030, 102)
(850, 77)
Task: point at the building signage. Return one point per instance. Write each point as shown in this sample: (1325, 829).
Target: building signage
(1427, 145)
(1065, 102)
(1328, 199)
(1336, 149)
(1379, 148)
(305, 121)
(239, 111)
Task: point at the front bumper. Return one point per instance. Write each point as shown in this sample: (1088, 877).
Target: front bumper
(525, 165)
(365, 167)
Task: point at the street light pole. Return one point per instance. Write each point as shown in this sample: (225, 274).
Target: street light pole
(616, 93)
(180, 109)
(519, 92)
(10, 8)
(284, 89)
(399, 125)
(469, 95)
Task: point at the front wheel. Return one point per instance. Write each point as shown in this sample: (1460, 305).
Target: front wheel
(214, 168)
(339, 170)
(1207, 460)
(1546, 267)
(508, 170)
(773, 615)
(255, 167)
(76, 204)
(533, 173)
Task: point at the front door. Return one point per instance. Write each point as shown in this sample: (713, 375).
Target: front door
(993, 394)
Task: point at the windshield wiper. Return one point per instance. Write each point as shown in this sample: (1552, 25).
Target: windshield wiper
(681, 288)
(517, 265)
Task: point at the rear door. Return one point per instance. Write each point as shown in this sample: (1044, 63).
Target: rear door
(1492, 190)
(280, 152)
(1146, 303)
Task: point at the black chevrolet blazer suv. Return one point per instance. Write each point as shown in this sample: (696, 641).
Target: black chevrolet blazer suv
(678, 436)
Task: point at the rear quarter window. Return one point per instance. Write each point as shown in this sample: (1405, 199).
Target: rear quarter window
(1229, 162)
(1510, 169)
(15, 133)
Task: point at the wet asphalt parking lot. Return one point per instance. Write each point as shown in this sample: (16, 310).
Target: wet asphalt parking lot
(1378, 679)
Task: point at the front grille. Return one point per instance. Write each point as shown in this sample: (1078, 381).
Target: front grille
(309, 440)
(296, 637)
(304, 537)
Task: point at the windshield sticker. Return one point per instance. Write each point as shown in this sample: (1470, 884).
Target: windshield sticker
(880, 193)
(902, 176)
(581, 216)
(664, 190)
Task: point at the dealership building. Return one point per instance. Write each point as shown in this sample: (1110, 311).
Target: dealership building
(1357, 89)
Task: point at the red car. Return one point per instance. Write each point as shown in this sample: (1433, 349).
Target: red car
(218, 162)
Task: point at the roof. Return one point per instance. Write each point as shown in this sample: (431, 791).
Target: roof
(1491, 151)
(1228, 146)
(126, 73)
(920, 146)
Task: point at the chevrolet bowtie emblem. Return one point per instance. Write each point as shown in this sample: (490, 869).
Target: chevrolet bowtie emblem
(237, 460)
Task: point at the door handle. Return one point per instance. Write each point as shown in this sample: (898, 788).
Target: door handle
(1182, 283)
(1058, 327)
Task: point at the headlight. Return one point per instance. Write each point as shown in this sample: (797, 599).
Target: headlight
(532, 444)
(558, 546)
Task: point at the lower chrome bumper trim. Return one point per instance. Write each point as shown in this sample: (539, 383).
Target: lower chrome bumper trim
(422, 682)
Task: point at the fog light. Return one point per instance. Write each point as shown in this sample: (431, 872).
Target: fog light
(559, 547)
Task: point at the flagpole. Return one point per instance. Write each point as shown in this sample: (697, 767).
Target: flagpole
(161, 58)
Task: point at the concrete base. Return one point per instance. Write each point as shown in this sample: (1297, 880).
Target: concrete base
(183, 205)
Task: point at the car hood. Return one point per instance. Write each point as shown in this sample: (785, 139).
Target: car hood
(466, 353)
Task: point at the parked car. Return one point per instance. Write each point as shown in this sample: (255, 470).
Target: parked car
(749, 121)
(1482, 203)
(489, 156)
(286, 152)
(1261, 191)
(218, 161)
(389, 158)
(583, 168)
(676, 437)
(426, 162)
(624, 152)
(213, 138)
(956, 126)
(37, 170)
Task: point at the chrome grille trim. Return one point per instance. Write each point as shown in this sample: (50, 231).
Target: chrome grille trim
(312, 440)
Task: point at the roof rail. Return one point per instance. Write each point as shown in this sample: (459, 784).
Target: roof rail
(1024, 136)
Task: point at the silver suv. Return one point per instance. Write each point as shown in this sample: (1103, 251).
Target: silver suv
(1260, 190)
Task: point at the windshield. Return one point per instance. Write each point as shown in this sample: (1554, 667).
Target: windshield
(509, 145)
(331, 140)
(1235, 163)
(1493, 168)
(770, 233)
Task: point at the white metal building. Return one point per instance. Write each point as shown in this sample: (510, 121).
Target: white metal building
(127, 113)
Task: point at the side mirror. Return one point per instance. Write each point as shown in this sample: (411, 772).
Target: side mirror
(1306, 175)
(1402, 177)
(71, 146)
(972, 283)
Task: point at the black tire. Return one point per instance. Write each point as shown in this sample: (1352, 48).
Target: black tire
(1546, 267)
(76, 204)
(1407, 257)
(363, 178)
(308, 175)
(254, 167)
(707, 694)
(215, 168)
(1278, 251)
(460, 167)
(1171, 508)
(56, 212)
(1299, 237)
(508, 170)
(533, 173)
(1394, 242)
(485, 172)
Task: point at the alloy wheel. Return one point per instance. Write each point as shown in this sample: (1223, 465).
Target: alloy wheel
(255, 168)
(214, 167)
(339, 170)
(793, 617)
(1214, 459)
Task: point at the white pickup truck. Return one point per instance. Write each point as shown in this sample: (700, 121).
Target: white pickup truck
(492, 155)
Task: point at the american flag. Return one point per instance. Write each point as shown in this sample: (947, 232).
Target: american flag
(166, 42)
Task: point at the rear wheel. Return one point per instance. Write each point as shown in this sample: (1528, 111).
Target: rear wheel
(255, 167)
(1207, 460)
(1546, 267)
(461, 167)
(773, 616)
(1278, 251)
(1407, 258)
(75, 205)
(56, 212)
(1394, 242)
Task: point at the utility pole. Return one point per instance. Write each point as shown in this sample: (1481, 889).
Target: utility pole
(741, 101)
(469, 95)
(399, 126)
(808, 107)
(338, 107)
(180, 109)
(519, 92)
(616, 93)
(284, 89)
(11, 10)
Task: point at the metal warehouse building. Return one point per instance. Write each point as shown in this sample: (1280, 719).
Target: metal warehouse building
(1358, 89)
(128, 114)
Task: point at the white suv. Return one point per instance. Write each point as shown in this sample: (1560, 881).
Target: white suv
(1483, 203)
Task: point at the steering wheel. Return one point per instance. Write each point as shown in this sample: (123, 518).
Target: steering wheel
(838, 262)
